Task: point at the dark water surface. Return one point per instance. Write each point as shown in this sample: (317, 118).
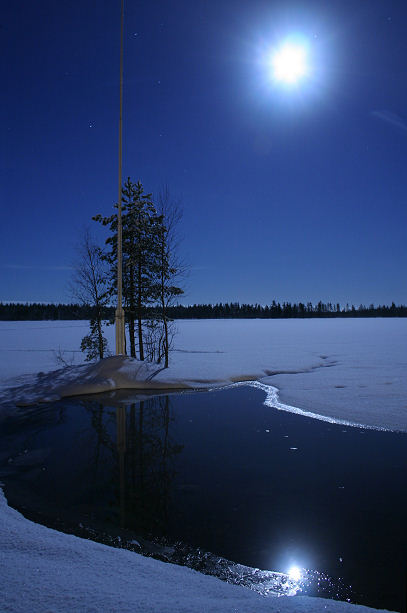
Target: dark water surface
(221, 472)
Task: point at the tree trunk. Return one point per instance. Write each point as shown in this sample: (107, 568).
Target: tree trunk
(140, 326)
(100, 334)
(132, 334)
(163, 306)
(131, 314)
(166, 349)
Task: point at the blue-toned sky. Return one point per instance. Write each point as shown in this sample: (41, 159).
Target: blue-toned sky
(288, 193)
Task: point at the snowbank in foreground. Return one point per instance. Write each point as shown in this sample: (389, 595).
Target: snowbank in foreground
(44, 570)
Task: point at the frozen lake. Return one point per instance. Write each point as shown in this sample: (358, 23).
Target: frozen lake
(351, 370)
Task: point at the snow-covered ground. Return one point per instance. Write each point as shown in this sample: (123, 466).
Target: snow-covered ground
(352, 370)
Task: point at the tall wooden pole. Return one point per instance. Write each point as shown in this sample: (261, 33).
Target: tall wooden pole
(119, 316)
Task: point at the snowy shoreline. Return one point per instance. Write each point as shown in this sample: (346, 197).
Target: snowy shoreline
(132, 377)
(352, 372)
(46, 570)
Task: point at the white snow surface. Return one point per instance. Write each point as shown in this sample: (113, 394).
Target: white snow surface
(42, 570)
(350, 371)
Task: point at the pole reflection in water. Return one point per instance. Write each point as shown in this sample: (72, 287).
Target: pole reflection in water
(145, 457)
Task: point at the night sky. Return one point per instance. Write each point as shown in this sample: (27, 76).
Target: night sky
(289, 193)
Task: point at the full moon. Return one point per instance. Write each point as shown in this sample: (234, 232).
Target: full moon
(289, 63)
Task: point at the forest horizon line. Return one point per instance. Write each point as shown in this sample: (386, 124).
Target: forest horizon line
(38, 311)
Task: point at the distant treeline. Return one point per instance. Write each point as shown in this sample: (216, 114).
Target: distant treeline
(41, 312)
(286, 310)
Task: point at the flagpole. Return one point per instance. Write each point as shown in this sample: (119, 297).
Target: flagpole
(119, 315)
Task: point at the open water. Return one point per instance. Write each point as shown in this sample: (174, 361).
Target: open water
(181, 475)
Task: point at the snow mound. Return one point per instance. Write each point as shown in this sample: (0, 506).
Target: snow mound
(112, 373)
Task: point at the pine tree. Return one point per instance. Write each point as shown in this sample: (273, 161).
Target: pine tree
(94, 344)
(139, 221)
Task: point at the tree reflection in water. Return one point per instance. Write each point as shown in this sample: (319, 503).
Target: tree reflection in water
(143, 455)
(109, 467)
